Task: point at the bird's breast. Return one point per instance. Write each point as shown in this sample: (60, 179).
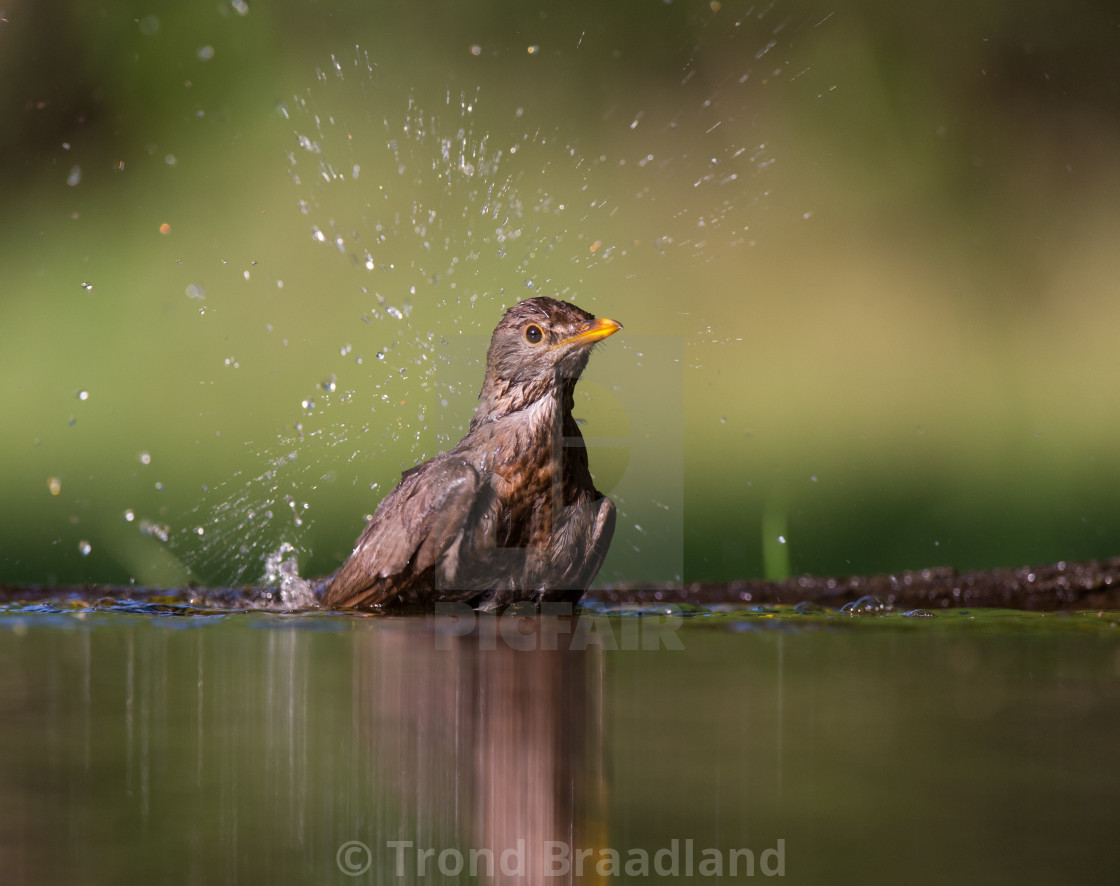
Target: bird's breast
(536, 464)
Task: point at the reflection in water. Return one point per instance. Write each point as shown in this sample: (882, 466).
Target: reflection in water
(263, 748)
(493, 753)
(251, 748)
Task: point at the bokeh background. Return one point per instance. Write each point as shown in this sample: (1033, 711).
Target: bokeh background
(866, 256)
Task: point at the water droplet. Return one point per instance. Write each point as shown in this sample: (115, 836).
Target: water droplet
(145, 458)
(534, 49)
(84, 548)
(54, 485)
(781, 539)
(156, 530)
(129, 515)
(83, 395)
(196, 292)
(200, 530)
(206, 53)
(75, 177)
(869, 605)
(170, 159)
(87, 286)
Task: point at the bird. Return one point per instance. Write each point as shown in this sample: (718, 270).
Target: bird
(511, 514)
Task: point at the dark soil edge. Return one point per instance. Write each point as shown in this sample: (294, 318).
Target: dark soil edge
(1091, 585)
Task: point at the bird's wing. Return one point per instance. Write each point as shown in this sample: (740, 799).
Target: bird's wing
(412, 528)
(580, 542)
(601, 536)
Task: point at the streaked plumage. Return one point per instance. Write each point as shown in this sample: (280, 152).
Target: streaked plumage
(511, 513)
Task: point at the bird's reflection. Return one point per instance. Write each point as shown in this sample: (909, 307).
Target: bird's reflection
(492, 742)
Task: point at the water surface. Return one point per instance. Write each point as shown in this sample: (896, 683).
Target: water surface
(242, 747)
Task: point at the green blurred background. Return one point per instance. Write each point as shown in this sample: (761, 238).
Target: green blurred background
(866, 256)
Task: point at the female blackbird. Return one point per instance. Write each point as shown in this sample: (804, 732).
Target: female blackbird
(511, 513)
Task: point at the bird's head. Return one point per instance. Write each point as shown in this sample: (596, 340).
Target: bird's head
(540, 345)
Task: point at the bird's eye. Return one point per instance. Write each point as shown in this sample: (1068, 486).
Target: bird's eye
(533, 334)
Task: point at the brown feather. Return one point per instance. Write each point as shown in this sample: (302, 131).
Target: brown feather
(511, 513)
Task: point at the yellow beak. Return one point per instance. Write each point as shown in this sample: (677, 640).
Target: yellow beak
(593, 331)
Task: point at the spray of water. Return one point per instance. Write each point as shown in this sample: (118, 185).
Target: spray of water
(438, 219)
(444, 207)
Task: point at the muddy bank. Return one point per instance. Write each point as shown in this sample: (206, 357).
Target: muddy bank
(1094, 584)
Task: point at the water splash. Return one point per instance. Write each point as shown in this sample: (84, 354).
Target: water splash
(443, 207)
(441, 193)
(244, 521)
(282, 570)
